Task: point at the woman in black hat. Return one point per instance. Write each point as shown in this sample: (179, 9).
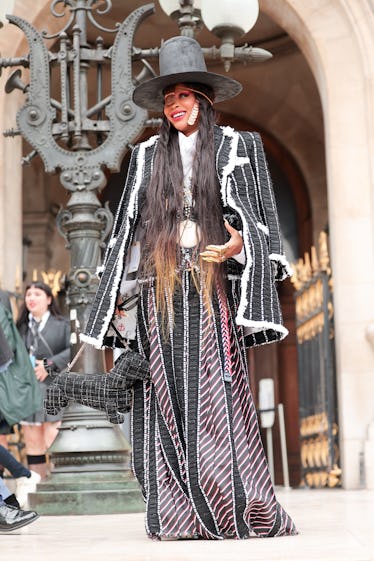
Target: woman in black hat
(198, 202)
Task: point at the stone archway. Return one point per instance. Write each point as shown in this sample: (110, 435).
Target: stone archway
(336, 39)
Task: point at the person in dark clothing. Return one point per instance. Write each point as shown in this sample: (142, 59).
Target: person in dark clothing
(198, 223)
(26, 480)
(46, 334)
(11, 516)
(5, 428)
(19, 396)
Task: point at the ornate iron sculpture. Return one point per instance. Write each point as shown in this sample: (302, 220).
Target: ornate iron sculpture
(74, 139)
(78, 141)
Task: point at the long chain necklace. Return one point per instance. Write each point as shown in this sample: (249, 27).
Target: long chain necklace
(189, 231)
(187, 193)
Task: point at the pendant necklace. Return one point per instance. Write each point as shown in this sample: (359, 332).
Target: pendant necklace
(189, 231)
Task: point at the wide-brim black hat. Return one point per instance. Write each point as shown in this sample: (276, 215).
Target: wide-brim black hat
(182, 61)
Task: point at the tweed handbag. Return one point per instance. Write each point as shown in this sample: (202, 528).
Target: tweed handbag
(131, 367)
(111, 392)
(99, 391)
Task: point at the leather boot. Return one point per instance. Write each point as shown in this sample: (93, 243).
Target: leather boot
(12, 501)
(11, 518)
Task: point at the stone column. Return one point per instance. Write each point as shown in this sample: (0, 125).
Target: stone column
(337, 40)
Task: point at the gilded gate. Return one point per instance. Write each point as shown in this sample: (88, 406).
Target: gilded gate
(319, 444)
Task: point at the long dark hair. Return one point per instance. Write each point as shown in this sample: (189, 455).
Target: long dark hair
(162, 210)
(23, 317)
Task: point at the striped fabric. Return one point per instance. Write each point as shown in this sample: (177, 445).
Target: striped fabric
(197, 451)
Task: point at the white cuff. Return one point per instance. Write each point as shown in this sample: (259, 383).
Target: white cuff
(240, 257)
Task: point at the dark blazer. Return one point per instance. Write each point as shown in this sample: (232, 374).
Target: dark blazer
(246, 189)
(53, 342)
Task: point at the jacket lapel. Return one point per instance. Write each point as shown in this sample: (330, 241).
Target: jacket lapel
(226, 145)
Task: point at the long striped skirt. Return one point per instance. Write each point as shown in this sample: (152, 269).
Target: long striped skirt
(197, 452)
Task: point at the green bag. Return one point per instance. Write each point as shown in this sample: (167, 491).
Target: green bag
(20, 394)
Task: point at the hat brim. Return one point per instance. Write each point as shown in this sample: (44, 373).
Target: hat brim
(149, 94)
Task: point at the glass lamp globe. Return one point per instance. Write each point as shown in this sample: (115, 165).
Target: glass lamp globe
(172, 6)
(235, 16)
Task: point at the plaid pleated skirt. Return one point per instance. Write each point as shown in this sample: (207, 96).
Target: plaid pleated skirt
(197, 452)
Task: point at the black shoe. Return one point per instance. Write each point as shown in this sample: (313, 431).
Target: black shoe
(12, 501)
(12, 518)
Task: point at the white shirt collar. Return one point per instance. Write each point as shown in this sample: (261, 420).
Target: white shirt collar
(187, 141)
(43, 321)
(187, 147)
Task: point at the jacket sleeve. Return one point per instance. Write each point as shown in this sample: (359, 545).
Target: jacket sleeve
(61, 359)
(121, 209)
(111, 271)
(6, 346)
(268, 209)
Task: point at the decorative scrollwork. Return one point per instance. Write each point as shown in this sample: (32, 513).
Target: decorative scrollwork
(53, 279)
(306, 269)
(66, 3)
(104, 10)
(101, 27)
(106, 217)
(60, 15)
(74, 8)
(63, 216)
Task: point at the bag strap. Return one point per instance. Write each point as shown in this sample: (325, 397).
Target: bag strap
(75, 358)
(122, 340)
(43, 340)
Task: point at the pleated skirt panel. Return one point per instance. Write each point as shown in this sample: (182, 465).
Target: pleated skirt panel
(197, 452)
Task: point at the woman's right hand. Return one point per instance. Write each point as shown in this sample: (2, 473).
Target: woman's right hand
(220, 253)
(40, 372)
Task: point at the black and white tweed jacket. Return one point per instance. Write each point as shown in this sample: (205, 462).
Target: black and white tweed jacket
(246, 188)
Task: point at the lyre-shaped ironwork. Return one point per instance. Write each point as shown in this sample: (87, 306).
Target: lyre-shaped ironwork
(59, 130)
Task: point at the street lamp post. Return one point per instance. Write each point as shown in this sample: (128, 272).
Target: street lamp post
(90, 456)
(78, 141)
(228, 20)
